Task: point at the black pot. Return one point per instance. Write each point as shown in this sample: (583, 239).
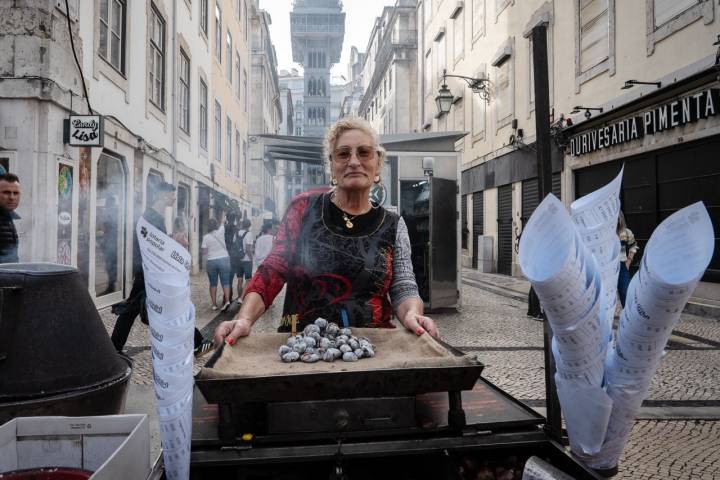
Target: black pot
(53, 343)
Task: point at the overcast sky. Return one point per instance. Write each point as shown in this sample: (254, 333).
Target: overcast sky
(359, 18)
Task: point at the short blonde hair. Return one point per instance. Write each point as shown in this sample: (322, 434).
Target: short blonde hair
(351, 123)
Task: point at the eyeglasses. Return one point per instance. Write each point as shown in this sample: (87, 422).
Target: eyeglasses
(363, 152)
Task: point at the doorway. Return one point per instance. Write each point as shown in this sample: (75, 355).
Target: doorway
(110, 215)
(505, 243)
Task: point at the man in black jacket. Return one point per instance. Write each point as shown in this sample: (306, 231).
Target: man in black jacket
(9, 201)
(163, 196)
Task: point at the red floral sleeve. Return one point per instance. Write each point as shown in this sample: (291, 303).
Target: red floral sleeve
(272, 274)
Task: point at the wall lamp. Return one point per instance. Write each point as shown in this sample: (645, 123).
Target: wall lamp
(632, 83)
(578, 108)
(445, 98)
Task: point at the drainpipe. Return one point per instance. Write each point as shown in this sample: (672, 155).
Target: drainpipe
(173, 110)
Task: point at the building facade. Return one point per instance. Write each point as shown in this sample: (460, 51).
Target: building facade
(594, 48)
(391, 61)
(148, 72)
(266, 115)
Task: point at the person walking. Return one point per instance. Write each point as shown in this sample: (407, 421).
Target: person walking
(180, 231)
(628, 249)
(9, 202)
(243, 247)
(218, 262)
(263, 244)
(162, 196)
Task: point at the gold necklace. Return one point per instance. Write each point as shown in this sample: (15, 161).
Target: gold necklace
(347, 219)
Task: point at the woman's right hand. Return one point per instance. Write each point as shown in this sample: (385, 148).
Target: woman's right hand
(230, 331)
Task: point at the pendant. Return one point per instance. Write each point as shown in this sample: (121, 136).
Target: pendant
(348, 224)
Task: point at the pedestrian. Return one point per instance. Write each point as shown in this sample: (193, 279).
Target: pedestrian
(243, 247)
(109, 242)
(218, 262)
(161, 197)
(180, 231)
(263, 244)
(231, 227)
(628, 249)
(9, 201)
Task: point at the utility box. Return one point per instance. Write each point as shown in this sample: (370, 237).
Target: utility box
(484, 249)
(113, 447)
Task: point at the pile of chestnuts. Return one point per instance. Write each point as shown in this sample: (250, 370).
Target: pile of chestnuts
(323, 340)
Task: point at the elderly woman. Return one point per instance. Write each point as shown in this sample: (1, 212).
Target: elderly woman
(340, 255)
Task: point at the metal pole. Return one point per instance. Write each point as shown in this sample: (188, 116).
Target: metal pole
(544, 169)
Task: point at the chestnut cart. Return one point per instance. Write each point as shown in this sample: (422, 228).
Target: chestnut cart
(419, 422)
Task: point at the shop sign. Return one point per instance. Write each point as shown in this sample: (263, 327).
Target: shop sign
(84, 130)
(664, 117)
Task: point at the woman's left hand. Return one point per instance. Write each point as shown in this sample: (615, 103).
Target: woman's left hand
(420, 324)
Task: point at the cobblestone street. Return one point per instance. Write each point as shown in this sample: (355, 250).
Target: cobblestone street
(679, 428)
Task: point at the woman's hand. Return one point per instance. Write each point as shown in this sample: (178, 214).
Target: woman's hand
(420, 324)
(230, 331)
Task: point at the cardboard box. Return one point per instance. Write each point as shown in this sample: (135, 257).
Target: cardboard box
(114, 447)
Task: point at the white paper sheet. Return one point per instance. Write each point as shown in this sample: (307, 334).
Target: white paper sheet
(171, 316)
(675, 258)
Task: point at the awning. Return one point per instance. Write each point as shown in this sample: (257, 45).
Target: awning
(309, 149)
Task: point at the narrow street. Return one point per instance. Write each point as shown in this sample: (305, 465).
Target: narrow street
(676, 436)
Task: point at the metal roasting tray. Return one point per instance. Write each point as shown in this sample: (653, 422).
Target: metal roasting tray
(307, 386)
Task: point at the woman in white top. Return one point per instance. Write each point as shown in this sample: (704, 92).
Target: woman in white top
(263, 244)
(218, 262)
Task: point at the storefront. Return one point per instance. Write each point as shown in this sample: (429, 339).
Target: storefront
(668, 144)
(502, 194)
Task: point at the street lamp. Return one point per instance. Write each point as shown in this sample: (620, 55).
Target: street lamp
(578, 108)
(445, 98)
(632, 83)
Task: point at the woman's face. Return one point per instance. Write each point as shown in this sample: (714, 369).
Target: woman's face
(355, 162)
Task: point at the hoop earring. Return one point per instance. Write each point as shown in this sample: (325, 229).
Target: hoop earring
(334, 182)
(378, 194)
(377, 178)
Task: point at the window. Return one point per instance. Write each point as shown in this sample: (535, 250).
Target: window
(238, 84)
(440, 59)
(228, 52)
(504, 94)
(218, 132)
(184, 92)
(228, 139)
(501, 5)
(594, 39)
(112, 33)
(479, 107)
(427, 10)
(460, 114)
(246, 20)
(245, 91)
(428, 74)
(665, 17)
(237, 153)
(666, 10)
(459, 35)
(594, 33)
(478, 18)
(244, 159)
(203, 115)
(218, 32)
(204, 16)
(157, 59)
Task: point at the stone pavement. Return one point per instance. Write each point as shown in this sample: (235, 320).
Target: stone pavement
(676, 436)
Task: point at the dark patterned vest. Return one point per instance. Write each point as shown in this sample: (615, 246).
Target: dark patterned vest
(339, 277)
